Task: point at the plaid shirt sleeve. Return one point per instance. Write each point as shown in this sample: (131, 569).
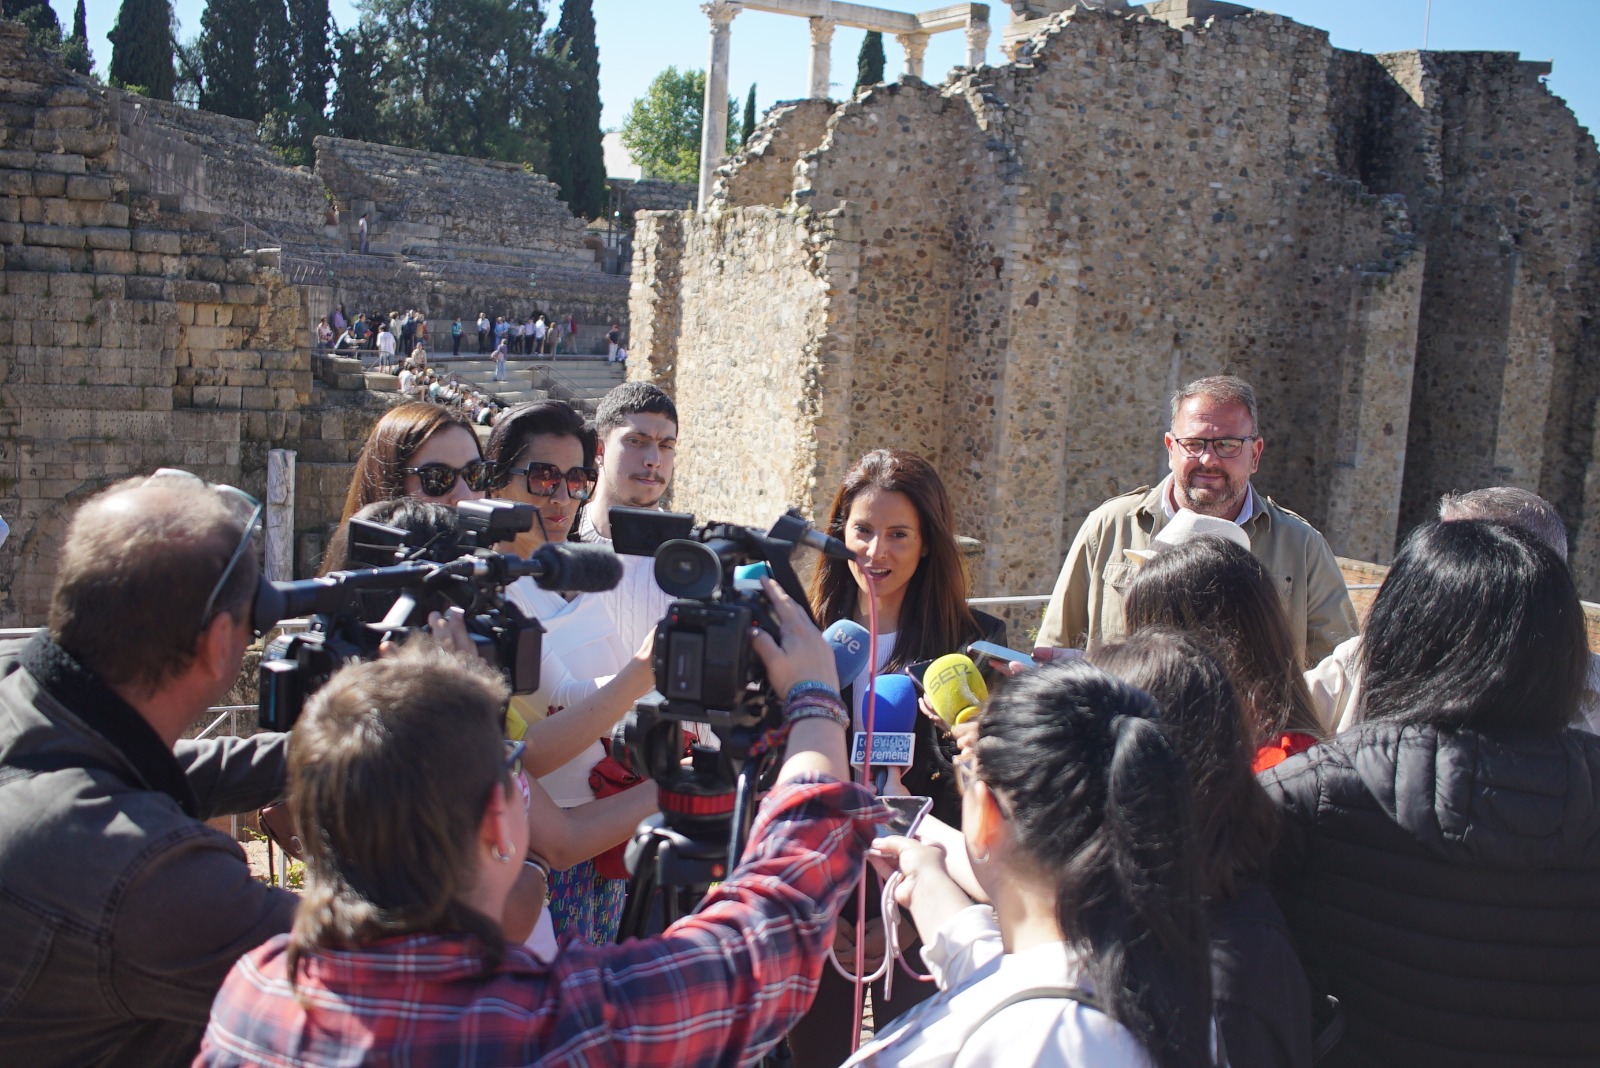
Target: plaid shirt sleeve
(722, 986)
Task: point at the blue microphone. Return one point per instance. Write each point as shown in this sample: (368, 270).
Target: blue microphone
(849, 640)
(893, 722)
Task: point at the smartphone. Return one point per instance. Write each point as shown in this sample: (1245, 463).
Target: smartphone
(917, 671)
(982, 651)
(908, 813)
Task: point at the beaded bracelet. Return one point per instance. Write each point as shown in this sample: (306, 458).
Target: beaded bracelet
(808, 687)
(817, 705)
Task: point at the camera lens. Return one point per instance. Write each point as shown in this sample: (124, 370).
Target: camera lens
(688, 569)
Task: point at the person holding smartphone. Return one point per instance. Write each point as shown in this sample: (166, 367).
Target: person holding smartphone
(893, 511)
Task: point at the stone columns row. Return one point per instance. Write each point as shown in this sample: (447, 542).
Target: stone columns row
(714, 131)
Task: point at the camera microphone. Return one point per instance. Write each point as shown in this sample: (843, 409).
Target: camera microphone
(554, 566)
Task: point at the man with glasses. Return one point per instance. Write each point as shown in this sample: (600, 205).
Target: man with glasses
(1213, 448)
(120, 910)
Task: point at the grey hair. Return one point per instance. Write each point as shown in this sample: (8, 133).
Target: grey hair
(1225, 389)
(1509, 504)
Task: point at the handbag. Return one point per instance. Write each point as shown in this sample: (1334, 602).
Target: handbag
(612, 776)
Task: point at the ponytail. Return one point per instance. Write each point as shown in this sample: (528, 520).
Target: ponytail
(1098, 796)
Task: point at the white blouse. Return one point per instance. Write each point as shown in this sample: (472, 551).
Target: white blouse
(974, 974)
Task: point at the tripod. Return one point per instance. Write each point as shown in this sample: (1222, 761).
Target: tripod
(673, 870)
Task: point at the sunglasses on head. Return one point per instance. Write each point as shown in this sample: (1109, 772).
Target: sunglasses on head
(437, 480)
(544, 478)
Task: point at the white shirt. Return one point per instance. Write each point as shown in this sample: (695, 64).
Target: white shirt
(863, 682)
(974, 974)
(637, 603)
(579, 653)
(408, 381)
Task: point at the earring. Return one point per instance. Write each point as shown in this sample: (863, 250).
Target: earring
(502, 855)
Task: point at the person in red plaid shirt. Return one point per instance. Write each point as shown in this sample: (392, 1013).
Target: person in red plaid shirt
(415, 835)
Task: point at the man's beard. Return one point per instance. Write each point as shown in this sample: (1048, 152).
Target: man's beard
(1222, 502)
(639, 495)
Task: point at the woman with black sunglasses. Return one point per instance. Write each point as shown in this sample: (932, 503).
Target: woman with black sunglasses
(418, 450)
(543, 454)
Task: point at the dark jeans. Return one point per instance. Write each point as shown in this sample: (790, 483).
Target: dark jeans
(455, 344)
(483, 341)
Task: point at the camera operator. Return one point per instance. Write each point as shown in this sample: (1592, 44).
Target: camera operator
(398, 943)
(120, 911)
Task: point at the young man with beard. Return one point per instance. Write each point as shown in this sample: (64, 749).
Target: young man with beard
(1213, 448)
(638, 428)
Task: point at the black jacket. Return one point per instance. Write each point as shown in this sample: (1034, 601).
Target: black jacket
(120, 912)
(1445, 887)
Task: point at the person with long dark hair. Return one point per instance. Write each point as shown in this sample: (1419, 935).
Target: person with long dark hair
(418, 450)
(1439, 865)
(1263, 1002)
(1220, 592)
(893, 511)
(1077, 827)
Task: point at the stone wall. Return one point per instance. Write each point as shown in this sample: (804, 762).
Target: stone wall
(762, 172)
(1398, 251)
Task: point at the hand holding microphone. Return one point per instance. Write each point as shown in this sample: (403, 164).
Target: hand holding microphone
(955, 688)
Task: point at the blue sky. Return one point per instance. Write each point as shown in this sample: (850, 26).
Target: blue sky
(638, 38)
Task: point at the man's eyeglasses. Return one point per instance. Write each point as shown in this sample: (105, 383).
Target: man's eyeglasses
(1222, 448)
(437, 480)
(245, 508)
(544, 478)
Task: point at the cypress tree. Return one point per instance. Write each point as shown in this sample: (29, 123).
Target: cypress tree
(869, 63)
(580, 137)
(141, 48)
(356, 94)
(230, 84)
(749, 115)
(311, 26)
(75, 51)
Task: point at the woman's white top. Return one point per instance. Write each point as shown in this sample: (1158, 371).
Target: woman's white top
(580, 652)
(974, 974)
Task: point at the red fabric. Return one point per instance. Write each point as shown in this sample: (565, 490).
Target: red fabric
(608, 777)
(1281, 748)
(718, 987)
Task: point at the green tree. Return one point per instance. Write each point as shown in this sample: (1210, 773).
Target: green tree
(356, 97)
(462, 76)
(663, 127)
(869, 62)
(574, 118)
(141, 48)
(75, 52)
(229, 83)
(749, 116)
(44, 29)
(311, 31)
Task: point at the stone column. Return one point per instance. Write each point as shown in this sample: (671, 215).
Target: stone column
(714, 129)
(280, 515)
(915, 45)
(977, 42)
(821, 66)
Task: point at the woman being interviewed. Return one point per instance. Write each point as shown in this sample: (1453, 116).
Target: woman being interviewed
(893, 511)
(1077, 826)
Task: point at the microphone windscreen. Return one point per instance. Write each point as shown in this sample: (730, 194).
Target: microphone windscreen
(577, 568)
(850, 647)
(752, 572)
(896, 711)
(954, 688)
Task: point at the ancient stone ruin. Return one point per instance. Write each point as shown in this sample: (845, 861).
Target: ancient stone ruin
(161, 272)
(1009, 273)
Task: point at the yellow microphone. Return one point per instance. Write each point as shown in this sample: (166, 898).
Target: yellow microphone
(955, 688)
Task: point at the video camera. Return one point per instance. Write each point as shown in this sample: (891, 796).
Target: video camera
(705, 665)
(444, 560)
